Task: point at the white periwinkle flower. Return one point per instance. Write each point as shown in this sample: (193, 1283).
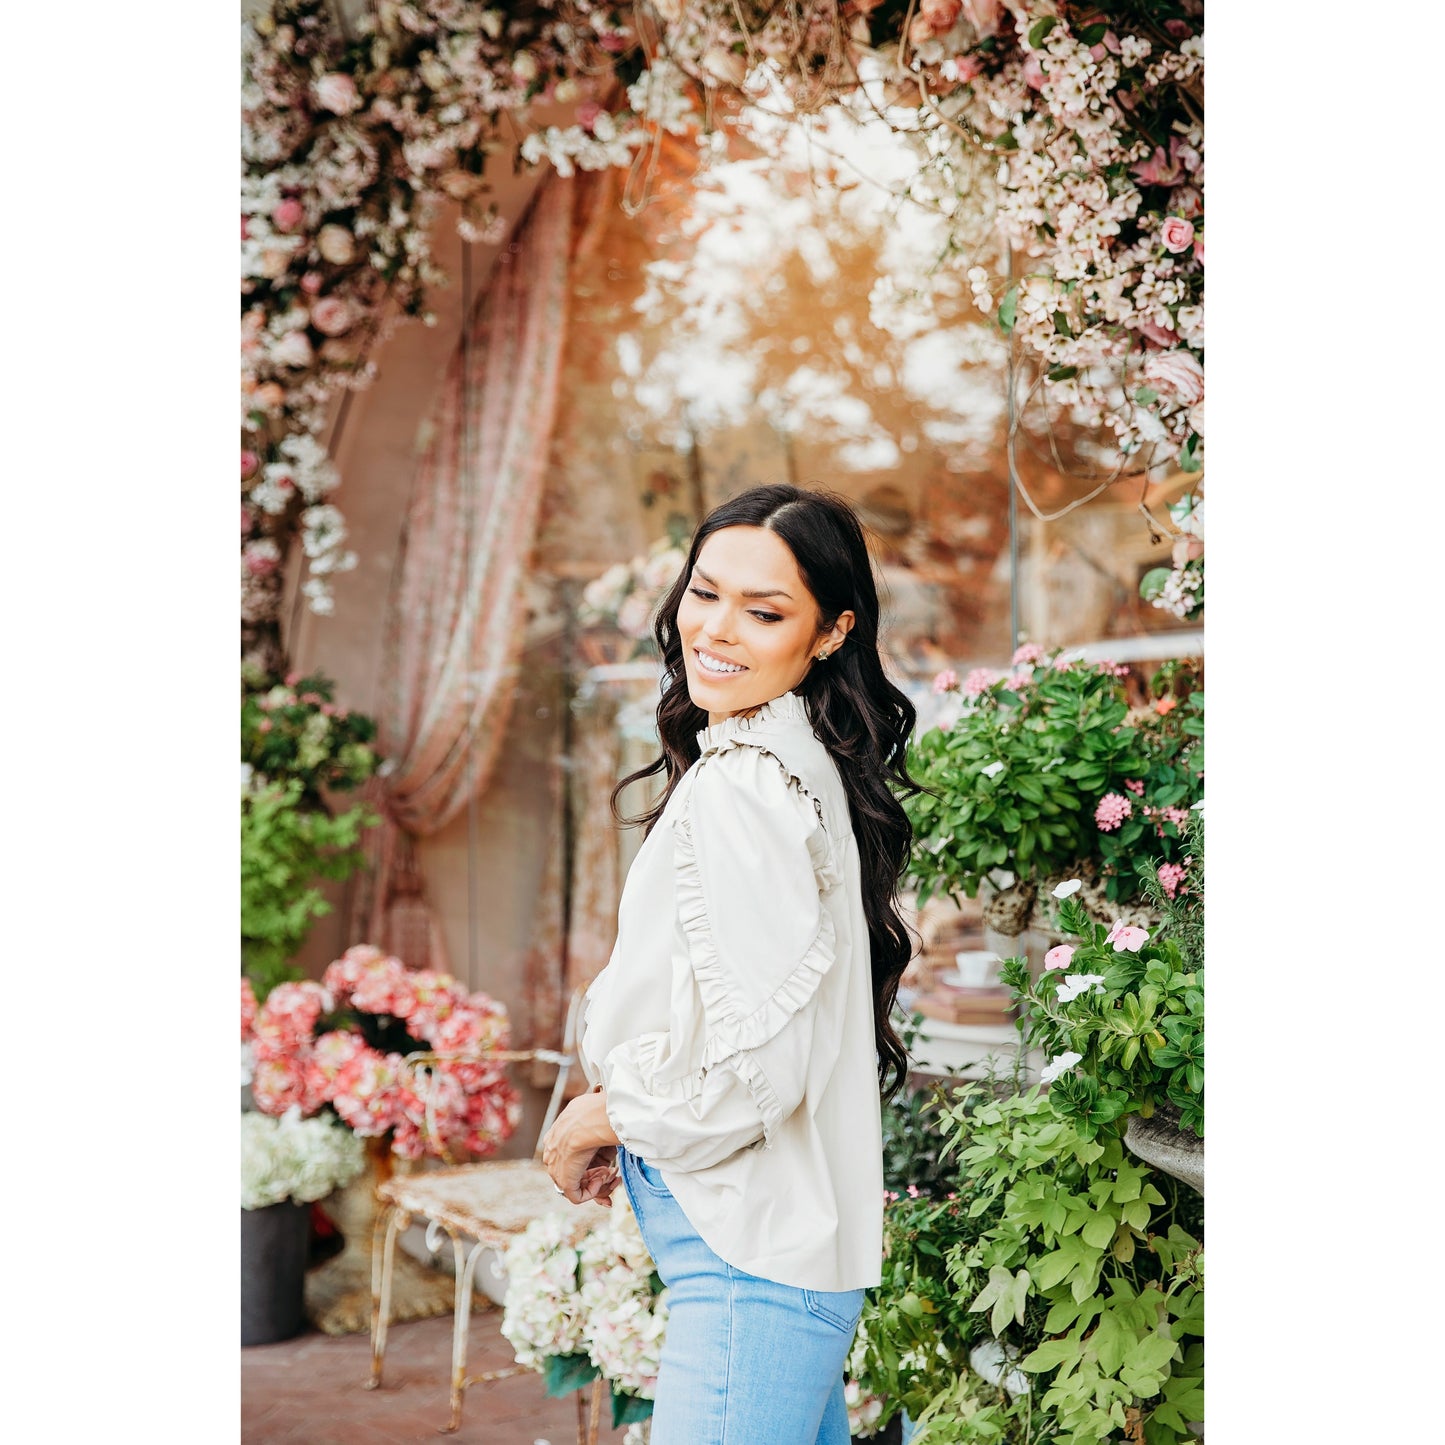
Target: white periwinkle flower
(1068, 888)
(992, 770)
(1073, 984)
(1060, 1065)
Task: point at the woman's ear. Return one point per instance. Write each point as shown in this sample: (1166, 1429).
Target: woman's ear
(832, 640)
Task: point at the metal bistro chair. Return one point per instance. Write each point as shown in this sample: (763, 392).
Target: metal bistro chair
(490, 1203)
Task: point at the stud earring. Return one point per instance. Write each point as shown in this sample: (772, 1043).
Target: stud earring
(822, 657)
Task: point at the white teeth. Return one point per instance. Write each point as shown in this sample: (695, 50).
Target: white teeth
(710, 665)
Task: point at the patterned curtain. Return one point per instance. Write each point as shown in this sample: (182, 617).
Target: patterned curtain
(453, 628)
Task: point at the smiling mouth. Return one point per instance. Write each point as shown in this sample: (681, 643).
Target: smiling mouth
(716, 666)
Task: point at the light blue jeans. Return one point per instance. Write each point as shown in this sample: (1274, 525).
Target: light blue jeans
(746, 1361)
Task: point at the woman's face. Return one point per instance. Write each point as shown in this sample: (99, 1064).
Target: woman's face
(748, 625)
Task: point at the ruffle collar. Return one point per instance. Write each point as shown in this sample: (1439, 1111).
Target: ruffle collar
(787, 707)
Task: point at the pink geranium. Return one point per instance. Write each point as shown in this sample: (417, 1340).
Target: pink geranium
(1171, 875)
(1113, 808)
(1126, 938)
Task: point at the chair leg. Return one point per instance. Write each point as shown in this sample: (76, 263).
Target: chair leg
(389, 1221)
(461, 1327)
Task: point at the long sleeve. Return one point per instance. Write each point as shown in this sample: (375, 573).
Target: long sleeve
(752, 863)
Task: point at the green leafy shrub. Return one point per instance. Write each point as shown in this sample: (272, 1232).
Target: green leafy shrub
(1077, 1266)
(1047, 768)
(294, 731)
(285, 848)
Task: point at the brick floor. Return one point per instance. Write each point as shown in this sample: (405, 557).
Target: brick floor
(309, 1391)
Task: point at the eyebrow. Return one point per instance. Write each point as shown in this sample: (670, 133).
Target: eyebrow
(766, 592)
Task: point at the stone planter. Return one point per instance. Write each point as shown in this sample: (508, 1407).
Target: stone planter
(274, 1243)
(1175, 1151)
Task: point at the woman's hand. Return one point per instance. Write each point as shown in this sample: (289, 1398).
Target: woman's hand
(580, 1150)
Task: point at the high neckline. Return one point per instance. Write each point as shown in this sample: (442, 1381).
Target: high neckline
(789, 705)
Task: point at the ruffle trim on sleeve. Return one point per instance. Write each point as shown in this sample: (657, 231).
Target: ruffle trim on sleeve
(731, 1028)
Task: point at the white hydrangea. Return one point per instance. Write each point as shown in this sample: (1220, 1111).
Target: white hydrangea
(625, 1322)
(542, 1308)
(295, 1158)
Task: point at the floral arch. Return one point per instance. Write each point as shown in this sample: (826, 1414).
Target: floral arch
(1063, 142)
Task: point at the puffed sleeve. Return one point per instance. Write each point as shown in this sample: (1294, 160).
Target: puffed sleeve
(752, 864)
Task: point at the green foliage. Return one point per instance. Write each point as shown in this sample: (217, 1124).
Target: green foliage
(293, 731)
(1075, 1256)
(1140, 1031)
(285, 848)
(911, 1138)
(1015, 783)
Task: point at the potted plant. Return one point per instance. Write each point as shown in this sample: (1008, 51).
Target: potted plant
(286, 1163)
(1049, 773)
(347, 1046)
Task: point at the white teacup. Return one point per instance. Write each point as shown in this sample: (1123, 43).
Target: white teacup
(976, 968)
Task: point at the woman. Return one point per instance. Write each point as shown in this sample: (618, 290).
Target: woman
(739, 1038)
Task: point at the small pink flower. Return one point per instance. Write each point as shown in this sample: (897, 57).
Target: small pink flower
(250, 462)
(1165, 705)
(332, 316)
(1059, 957)
(1158, 336)
(1033, 73)
(1135, 786)
(288, 215)
(1158, 170)
(1176, 374)
(1177, 234)
(913, 1191)
(979, 680)
(1171, 875)
(312, 282)
(1027, 655)
(1112, 810)
(946, 681)
(1126, 939)
(1178, 816)
(337, 93)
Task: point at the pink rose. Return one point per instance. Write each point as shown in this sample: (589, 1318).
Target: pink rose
(1158, 335)
(983, 15)
(1158, 170)
(332, 316)
(312, 282)
(1188, 201)
(1177, 234)
(337, 93)
(1199, 248)
(249, 463)
(963, 68)
(288, 215)
(1033, 73)
(941, 15)
(1176, 374)
(1059, 957)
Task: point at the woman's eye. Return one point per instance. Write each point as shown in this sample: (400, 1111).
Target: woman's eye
(712, 597)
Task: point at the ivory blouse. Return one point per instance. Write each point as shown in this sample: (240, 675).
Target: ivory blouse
(732, 1027)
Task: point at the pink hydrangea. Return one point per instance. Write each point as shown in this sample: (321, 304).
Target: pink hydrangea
(1112, 810)
(365, 1091)
(278, 1084)
(979, 680)
(1171, 875)
(286, 1022)
(946, 681)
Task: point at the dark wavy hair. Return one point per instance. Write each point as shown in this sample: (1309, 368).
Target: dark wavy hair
(858, 715)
